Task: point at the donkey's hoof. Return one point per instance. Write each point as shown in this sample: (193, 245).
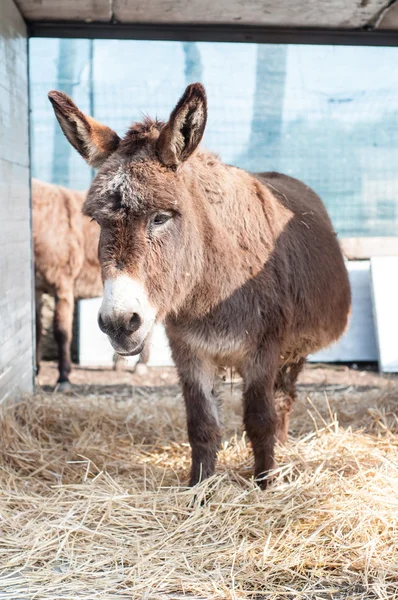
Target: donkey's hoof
(264, 480)
(201, 497)
(63, 386)
(141, 369)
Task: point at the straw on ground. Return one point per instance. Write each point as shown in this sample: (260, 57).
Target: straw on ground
(93, 503)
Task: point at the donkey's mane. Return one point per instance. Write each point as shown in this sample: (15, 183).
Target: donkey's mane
(139, 134)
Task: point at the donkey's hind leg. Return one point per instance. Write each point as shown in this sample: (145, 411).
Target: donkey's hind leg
(285, 395)
(63, 321)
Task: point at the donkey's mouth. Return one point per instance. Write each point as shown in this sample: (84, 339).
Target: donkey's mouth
(130, 344)
(136, 350)
(127, 349)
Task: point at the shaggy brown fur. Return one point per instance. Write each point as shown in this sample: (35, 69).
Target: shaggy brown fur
(245, 269)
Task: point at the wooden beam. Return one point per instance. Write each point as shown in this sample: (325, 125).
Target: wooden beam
(364, 248)
(212, 33)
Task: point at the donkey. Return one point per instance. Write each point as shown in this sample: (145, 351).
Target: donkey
(244, 269)
(66, 264)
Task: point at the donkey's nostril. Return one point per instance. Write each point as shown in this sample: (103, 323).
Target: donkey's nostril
(134, 323)
(123, 324)
(101, 324)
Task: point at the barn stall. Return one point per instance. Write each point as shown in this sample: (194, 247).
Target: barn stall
(93, 484)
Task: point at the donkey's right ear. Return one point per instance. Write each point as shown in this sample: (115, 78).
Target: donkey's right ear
(94, 141)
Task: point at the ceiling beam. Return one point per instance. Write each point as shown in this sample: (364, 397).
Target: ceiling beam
(213, 33)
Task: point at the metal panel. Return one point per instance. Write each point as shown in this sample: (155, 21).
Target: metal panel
(16, 319)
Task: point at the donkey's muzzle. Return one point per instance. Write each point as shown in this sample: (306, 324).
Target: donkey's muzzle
(126, 315)
(124, 332)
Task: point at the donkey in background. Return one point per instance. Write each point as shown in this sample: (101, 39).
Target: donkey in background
(66, 265)
(66, 262)
(244, 269)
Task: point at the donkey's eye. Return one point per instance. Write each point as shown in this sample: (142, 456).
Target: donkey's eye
(160, 219)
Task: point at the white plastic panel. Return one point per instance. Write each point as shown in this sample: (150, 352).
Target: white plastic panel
(384, 275)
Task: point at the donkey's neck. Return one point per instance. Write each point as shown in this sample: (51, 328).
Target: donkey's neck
(240, 222)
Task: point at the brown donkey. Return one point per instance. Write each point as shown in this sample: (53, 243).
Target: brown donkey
(66, 265)
(245, 270)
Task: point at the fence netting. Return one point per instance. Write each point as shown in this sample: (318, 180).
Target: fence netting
(324, 114)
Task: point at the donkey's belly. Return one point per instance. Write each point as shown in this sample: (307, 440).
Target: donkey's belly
(304, 344)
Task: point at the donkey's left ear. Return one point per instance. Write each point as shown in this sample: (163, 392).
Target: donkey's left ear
(184, 131)
(94, 141)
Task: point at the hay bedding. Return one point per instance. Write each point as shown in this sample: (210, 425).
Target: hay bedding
(93, 504)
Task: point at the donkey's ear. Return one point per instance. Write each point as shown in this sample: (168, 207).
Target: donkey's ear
(184, 131)
(94, 141)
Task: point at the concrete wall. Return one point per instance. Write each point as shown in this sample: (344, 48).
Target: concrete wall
(16, 318)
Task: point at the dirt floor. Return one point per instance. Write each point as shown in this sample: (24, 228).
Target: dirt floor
(315, 377)
(82, 378)
(94, 503)
(349, 392)
(95, 378)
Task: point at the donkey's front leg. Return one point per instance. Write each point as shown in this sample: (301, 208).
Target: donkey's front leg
(204, 429)
(260, 416)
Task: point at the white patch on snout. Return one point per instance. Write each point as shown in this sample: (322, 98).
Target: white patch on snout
(124, 295)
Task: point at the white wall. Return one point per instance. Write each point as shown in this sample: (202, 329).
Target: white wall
(16, 319)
